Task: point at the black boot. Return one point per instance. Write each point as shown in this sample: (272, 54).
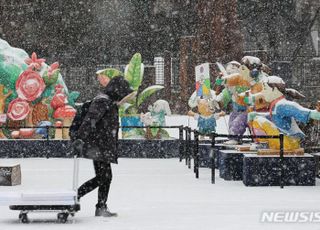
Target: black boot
(105, 212)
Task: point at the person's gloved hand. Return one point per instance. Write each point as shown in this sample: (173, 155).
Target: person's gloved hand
(251, 116)
(77, 146)
(315, 115)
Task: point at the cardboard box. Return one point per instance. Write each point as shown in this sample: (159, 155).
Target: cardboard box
(10, 175)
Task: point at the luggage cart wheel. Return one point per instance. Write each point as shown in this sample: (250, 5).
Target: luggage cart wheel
(62, 217)
(23, 217)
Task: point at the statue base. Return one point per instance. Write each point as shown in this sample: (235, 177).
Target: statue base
(231, 164)
(263, 170)
(132, 148)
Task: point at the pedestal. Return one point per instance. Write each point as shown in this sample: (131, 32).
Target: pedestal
(231, 164)
(132, 148)
(317, 162)
(266, 170)
(205, 150)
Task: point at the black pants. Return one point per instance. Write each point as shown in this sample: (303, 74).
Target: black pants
(102, 180)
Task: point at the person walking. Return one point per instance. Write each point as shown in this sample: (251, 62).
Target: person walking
(99, 134)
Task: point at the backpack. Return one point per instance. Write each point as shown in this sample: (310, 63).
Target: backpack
(78, 119)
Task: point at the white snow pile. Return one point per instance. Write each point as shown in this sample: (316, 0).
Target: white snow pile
(274, 80)
(251, 60)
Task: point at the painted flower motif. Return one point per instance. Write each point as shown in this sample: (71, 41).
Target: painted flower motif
(34, 63)
(29, 85)
(18, 109)
(58, 88)
(59, 99)
(64, 112)
(53, 68)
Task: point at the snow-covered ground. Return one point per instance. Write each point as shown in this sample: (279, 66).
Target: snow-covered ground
(152, 194)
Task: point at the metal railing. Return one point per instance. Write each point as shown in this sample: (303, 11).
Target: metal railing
(196, 155)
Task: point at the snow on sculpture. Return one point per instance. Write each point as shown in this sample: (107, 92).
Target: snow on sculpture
(158, 110)
(156, 117)
(282, 115)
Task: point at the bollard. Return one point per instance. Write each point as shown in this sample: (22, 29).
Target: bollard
(189, 148)
(281, 137)
(196, 154)
(181, 147)
(186, 149)
(212, 158)
(47, 140)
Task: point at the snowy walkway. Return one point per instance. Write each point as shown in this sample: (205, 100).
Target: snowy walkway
(154, 194)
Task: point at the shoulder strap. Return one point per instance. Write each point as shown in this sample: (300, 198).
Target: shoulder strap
(102, 96)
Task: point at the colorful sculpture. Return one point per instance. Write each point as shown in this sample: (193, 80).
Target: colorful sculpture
(27, 85)
(156, 117)
(158, 110)
(129, 111)
(237, 81)
(282, 115)
(203, 99)
(206, 116)
(42, 129)
(203, 86)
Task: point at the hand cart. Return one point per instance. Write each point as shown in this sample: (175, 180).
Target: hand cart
(65, 202)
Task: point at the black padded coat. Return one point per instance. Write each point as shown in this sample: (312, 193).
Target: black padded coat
(99, 129)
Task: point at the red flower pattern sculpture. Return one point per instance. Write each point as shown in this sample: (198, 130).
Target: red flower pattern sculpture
(59, 99)
(34, 63)
(29, 85)
(53, 68)
(18, 109)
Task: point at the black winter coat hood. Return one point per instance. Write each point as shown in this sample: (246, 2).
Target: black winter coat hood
(117, 88)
